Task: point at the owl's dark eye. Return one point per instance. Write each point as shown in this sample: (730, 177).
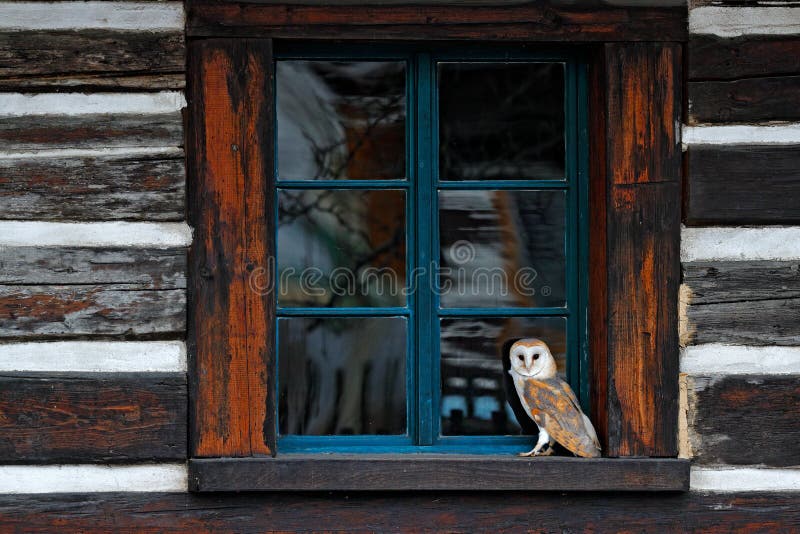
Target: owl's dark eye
(521, 358)
(536, 356)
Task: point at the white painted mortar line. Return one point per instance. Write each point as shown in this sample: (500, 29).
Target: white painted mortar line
(717, 358)
(94, 234)
(94, 356)
(740, 243)
(739, 479)
(121, 16)
(93, 478)
(117, 152)
(70, 104)
(738, 21)
(742, 134)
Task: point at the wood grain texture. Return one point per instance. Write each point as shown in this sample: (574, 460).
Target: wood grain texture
(33, 132)
(436, 472)
(230, 334)
(106, 417)
(90, 59)
(644, 103)
(744, 303)
(747, 100)
(147, 268)
(742, 185)
(531, 22)
(745, 420)
(135, 187)
(404, 512)
(128, 310)
(715, 58)
(643, 233)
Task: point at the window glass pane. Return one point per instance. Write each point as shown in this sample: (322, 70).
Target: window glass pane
(502, 248)
(342, 376)
(501, 121)
(340, 248)
(340, 120)
(478, 395)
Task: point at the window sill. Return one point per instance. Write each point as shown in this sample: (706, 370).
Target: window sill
(423, 472)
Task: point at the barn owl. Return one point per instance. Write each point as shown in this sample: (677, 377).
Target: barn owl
(550, 402)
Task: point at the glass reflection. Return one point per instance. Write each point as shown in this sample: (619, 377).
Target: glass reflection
(502, 248)
(339, 248)
(478, 396)
(501, 121)
(342, 376)
(341, 120)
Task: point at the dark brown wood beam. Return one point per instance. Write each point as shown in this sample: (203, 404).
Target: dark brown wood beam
(529, 22)
(418, 472)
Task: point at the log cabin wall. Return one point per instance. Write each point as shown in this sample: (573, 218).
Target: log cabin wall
(93, 243)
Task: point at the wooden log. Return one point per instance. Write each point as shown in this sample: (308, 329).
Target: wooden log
(90, 58)
(747, 100)
(643, 235)
(94, 82)
(530, 22)
(146, 268)
(453, 512)
(714, 282)
(715, 58)
(128, 310)
(742, 185)
(746, 303)
(103, 417)
(121, 187)
(745, 420)
(24, 133)
(230, 335)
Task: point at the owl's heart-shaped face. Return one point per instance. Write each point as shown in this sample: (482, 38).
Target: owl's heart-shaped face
(532, 358)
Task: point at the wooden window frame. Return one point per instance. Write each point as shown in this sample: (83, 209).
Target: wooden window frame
(635, 108)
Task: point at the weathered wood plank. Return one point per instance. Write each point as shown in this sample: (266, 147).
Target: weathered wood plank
(643, 234)
(713, 282)
(90, 310)
(231, 158)
(90, 58)
(759, 322)
(453, 512)
(121, 187)
(747, 100)
(32, 132)
(436, 472)
(743, 185)
(528, 22)
(147, 268)
(714, 58)
(92, 418)
(745, 420)
(747, 303)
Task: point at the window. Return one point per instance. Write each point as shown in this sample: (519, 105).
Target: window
(630, 219)
(429, 208)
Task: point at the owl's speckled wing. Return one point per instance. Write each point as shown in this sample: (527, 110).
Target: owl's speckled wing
(554, 406)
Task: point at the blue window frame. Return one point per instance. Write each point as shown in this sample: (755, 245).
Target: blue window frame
(418, 185)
